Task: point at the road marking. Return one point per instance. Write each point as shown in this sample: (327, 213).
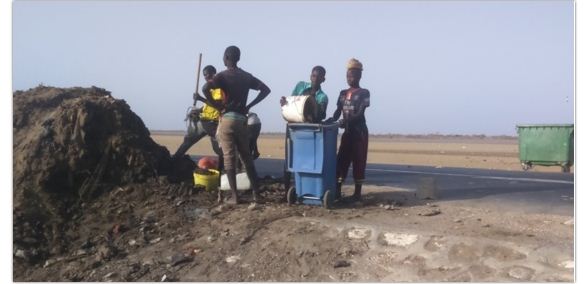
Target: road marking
(476, 176)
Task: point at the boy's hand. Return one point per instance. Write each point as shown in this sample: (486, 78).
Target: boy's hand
(199, 97)
(342, 123)
(195, 112)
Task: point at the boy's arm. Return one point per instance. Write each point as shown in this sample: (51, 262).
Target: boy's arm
(337, 112)
(323, 106)
(212, 84)
(264, 90)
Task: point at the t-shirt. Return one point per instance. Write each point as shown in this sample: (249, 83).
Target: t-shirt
(236, 84)
(303, 88)
(209, 112)
(351, 101)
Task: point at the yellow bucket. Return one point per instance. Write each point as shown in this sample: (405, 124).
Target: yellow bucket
(210, 181)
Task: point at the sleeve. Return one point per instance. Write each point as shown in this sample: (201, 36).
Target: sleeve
(366, 98)
(324, 102)
(298, 89)
(341, 98)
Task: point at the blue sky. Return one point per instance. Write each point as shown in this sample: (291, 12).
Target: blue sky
(451, 67)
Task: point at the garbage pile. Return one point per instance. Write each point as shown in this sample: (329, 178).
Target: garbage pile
(70, 146)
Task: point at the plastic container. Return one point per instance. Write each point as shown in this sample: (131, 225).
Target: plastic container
(243, 182)
(546, 145)
(300, 109)
(312, 158)
(209, 181)
(208, 163)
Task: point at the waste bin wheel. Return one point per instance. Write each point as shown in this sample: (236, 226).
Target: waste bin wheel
(291, 196)
(526, 166)
(327, 199)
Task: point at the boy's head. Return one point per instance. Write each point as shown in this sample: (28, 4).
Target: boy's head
(232, 55)
(208, 72)
(317, 76)
(354, 70)
(353, 77)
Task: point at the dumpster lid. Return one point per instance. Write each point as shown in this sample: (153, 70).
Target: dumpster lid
(316, 125)
(545, 125)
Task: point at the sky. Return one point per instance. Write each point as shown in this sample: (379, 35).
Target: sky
(447, 67)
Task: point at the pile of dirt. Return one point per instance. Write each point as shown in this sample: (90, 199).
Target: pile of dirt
(70, 146)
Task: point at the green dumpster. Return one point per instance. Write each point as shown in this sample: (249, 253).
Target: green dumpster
(546, 145)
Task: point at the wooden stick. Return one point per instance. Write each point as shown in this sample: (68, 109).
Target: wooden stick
(198, 76)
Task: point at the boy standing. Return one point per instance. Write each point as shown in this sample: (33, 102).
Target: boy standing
(352, 103)
(232, 131)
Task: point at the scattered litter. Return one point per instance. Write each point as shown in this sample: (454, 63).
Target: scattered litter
(341, 263)
(358, 233)
(401, 240)
(232, 259)
(49, 262)
(180, 258)
(20, 253)
(254, 206)
(154, 241)
(431, 212)
(568, 264)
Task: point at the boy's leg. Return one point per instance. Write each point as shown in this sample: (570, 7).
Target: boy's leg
(360, 149)
(343, 161)
(226, 137)
(192, 137)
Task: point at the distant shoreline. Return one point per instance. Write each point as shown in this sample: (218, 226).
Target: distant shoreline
(410, 136)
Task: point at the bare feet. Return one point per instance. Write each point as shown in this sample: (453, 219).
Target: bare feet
(257, 198)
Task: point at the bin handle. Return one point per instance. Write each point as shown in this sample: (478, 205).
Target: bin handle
(288, 152)
(318, 126)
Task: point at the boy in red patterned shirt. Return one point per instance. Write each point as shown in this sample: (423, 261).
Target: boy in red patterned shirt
(352, 103)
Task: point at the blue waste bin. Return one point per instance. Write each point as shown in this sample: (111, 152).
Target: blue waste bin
(312, 158)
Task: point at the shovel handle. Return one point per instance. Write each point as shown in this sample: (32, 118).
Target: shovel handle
(198, 76)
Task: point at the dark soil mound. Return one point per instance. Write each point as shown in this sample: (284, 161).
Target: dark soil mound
(71, 146)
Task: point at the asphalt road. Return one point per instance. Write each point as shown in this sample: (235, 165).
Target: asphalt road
(528, 192)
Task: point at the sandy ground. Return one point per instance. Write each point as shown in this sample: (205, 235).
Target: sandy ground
(173, 234)
(156, 231)
(470, 152)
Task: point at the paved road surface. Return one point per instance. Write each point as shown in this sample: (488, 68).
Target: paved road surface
(529, 192)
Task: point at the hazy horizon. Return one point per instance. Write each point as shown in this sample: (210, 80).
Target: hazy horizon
(448, 67)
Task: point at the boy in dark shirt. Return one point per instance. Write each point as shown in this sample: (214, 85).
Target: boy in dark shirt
(352, 103)
(232, 131)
